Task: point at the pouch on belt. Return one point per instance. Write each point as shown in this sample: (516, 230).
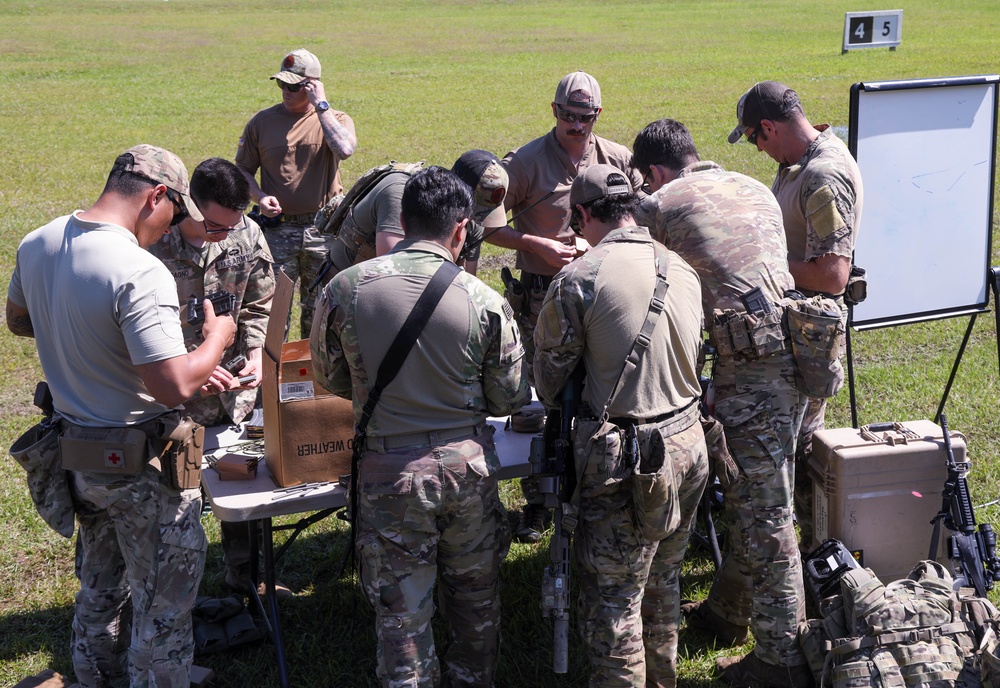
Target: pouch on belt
(37, 451)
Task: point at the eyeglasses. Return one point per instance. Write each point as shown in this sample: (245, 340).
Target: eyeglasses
(181, 213)
(291, 88)
(567, 116)
(215, 228)
(646, 181)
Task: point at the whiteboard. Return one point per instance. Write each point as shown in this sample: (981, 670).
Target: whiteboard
(926, 149)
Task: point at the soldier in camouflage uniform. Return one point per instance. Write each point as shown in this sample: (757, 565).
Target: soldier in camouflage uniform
(593, 312)
(104, 315)
(225, 251)
(541, 172)
(372, 228)
(819, 189)
(298, 146)
(428, 501)
(728, 227)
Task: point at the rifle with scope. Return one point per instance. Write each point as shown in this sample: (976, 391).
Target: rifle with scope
(972, 549)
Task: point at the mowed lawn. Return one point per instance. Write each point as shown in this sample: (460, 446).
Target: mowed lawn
(83, 81)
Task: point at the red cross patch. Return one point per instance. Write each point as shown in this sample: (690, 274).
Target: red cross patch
(114, 458)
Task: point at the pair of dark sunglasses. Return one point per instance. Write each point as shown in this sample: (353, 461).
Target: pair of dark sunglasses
(291, 88)
(567, 116)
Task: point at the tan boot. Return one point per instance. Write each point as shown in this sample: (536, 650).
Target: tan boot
(700, 616)
(752, 671)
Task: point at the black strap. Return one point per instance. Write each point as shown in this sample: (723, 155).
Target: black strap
(387, 371)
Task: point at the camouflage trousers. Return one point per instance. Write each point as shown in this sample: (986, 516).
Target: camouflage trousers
(142, 554)
(300, 251)
(526, 311)
(760, 582)
(813, 420)
(629, 603)
(425, 514)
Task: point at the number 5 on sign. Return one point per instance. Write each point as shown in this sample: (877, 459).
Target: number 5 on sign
(882, 29)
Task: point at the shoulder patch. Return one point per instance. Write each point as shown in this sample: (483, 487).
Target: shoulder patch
(822, 212)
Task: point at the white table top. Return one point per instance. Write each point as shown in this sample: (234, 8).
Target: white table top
(247, 500)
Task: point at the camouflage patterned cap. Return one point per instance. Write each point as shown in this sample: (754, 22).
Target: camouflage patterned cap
(482, 171)
(297, 66)
(579, 89)
(163, 167)
(598, 181)
(764, 100)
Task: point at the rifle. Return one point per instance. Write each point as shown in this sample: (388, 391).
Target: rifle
(552, 457)
(972, 550)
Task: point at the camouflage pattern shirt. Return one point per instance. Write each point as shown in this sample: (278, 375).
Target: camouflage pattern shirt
(727, 226)
(467, 364)
(594, 310)
(821, 197)
(242, 265)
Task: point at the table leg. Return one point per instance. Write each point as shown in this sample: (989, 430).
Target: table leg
(272, 601)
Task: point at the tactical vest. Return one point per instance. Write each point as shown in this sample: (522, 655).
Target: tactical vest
(330, 220)
(913, 632)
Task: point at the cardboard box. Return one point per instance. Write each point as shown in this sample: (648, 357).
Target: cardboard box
(308, 433)
(879, 497)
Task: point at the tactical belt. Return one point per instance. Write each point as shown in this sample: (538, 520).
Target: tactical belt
(534, 282)
(432, 438)
(622, 421)
(301, 219)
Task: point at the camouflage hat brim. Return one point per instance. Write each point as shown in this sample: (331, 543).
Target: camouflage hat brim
(289, 77)
(490, 217)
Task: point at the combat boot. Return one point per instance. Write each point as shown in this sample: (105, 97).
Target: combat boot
(752, 671)
(532, 523)
(700, 616)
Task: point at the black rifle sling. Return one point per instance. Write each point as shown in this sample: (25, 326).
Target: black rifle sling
(387, 370)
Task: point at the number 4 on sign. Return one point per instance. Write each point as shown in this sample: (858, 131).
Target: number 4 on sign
(880, 29)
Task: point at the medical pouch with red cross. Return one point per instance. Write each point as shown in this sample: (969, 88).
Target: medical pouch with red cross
(121, 451)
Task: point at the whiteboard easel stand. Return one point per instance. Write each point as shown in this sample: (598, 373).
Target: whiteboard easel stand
(973, 313)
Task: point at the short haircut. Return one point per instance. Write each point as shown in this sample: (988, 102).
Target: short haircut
(664, 142)
(123, 182)
(611, 209)
(434, 200)
(220, 181)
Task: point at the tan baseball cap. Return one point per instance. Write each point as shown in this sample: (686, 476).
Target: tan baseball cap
(163, 167)
(579, 89)
(298, 66)
(598, 181)
(482, 171)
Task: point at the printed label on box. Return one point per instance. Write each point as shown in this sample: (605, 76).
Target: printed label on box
(296, 390)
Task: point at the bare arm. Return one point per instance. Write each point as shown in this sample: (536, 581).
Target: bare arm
(18, 320)
(827, 273)
(384, 241)
(175, 380)
(269, 205)
(339, 137)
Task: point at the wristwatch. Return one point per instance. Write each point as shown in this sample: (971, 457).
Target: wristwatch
(322, 106)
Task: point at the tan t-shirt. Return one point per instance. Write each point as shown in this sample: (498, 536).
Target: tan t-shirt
(542, 168)
(296, 164)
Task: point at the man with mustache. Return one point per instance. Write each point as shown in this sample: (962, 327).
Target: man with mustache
(298, 146)
(541, 173)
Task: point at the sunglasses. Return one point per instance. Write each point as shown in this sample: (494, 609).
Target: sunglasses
(291, 88)
(181, 213)
(567, 116)
(752, 138)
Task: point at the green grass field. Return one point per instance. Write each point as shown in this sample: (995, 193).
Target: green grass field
(426, 80)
